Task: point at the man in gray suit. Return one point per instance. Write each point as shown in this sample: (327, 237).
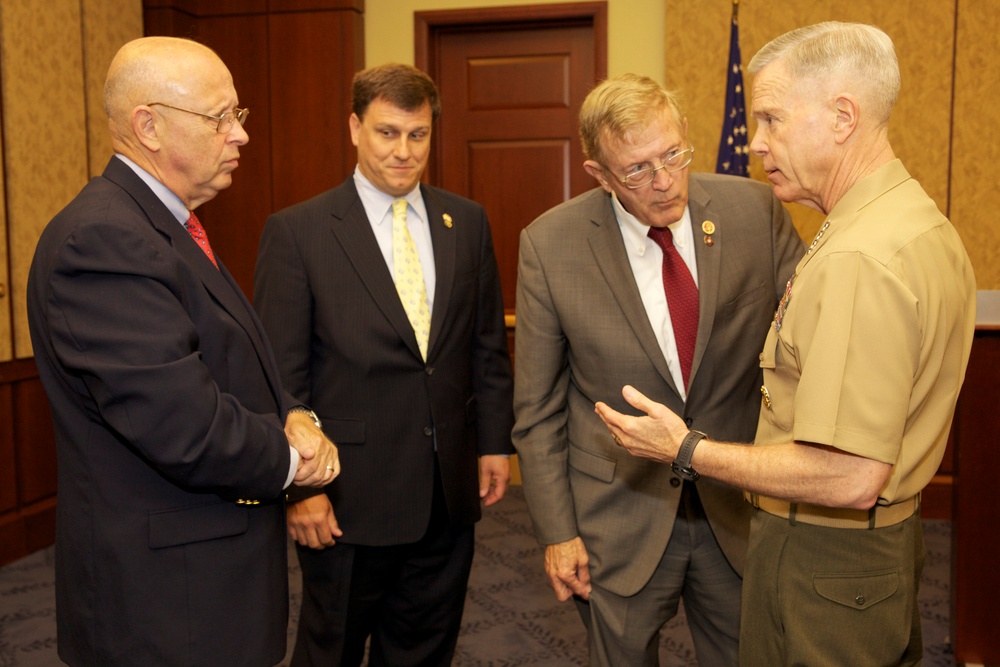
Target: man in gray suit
(600, 305)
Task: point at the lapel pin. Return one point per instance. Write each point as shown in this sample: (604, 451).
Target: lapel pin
(447, 220)
(709, 228)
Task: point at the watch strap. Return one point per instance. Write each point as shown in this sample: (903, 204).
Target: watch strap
(310, 413)
(682, 464)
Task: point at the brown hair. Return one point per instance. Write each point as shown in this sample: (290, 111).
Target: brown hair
(401, 85)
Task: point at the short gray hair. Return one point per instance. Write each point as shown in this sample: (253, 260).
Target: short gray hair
(860, 54)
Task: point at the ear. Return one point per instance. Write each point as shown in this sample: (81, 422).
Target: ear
(597, 171)
(145, 128)
(848, 115)
(355, 124)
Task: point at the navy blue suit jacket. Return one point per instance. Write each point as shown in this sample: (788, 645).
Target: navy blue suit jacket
(168, 411)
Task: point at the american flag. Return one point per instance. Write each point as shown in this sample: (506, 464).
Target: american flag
(734, 154)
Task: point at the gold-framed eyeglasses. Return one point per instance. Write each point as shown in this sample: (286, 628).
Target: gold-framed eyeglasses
(674, 161)
(225, 119)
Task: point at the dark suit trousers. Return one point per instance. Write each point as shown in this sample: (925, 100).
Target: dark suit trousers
(625, 630)
(408, 598)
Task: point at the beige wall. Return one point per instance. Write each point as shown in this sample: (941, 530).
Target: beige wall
(52, 66)
(944, 124)
(635, 31)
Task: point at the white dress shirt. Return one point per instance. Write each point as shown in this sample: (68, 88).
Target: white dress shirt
(646, 259)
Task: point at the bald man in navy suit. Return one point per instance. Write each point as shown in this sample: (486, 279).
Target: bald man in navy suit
(175, 439)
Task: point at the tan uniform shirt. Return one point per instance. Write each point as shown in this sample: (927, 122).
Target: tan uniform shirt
(869, 346)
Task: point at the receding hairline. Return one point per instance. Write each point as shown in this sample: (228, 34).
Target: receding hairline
(149, 65)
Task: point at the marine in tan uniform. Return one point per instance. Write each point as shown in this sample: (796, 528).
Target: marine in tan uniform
(862, 366)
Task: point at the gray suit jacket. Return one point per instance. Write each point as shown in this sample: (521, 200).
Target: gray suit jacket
(583, 333)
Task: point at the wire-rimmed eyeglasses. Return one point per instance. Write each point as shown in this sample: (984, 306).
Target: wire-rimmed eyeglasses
(225, 119)
(675, 161)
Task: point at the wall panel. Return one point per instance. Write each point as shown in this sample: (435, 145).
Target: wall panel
(45, 139)
(54, 132)
(107, 25)
(6, 340)
(975, 154)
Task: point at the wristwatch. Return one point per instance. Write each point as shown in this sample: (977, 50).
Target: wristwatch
(312, 415)
(682, 464)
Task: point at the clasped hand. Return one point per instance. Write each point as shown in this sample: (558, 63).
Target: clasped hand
(319, 462)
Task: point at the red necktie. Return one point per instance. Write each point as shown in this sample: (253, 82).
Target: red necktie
(197, 232)
(682, 298)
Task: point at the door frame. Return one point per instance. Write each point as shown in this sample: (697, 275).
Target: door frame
(429, 25)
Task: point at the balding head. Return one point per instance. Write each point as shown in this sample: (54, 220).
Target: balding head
(168, 101)
(151, 69)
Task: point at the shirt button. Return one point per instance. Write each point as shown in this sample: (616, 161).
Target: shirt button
(674, 482)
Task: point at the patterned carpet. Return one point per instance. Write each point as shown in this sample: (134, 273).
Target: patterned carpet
(511, 616)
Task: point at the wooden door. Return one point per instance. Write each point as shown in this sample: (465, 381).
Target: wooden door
(511, 81)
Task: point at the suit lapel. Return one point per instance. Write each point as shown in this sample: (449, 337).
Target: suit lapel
(709, 260)
(443, 239)
(218, 282)
(610, 255)
(350, 226)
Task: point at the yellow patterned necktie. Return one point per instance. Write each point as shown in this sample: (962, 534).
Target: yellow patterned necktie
(409, 277)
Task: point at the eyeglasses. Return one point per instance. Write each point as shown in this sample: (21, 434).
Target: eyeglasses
(226, 118)
(675, 161)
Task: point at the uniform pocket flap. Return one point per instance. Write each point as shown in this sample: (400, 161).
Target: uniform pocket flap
(171, 528)
(858, 591)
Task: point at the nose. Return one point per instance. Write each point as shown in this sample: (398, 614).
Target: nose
(402, 149)
(757, 145)
(666, 181)
(238, 135)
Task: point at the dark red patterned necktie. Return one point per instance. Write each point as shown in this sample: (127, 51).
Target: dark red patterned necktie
(197, 232)
(682, 298)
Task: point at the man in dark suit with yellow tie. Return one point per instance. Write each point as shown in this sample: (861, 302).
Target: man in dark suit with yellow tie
(175, 439)
(382, 299)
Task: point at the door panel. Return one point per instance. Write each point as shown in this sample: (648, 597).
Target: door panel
(511, 88)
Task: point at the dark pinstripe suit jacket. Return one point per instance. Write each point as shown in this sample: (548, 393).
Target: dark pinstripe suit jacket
(346, 348)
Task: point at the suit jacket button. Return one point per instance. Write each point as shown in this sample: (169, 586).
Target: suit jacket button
(429, 370)
(674, 482)
(428, 431)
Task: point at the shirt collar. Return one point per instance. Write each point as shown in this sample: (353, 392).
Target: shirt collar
(173, 203)
(635, 233)
(376, 202)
